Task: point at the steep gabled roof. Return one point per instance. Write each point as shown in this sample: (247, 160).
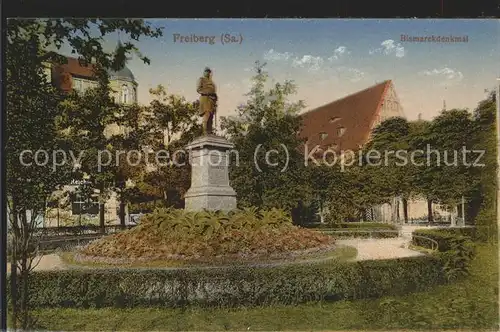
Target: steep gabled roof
(355, 113)
(74, 67)
(63, 73)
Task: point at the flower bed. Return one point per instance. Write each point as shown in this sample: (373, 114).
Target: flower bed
(207, 237)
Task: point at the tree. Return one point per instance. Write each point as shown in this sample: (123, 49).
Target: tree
(337, 192)
(442, 176)
(130, 148)
(454, 132)
(266, 127)
(426, 176)
(36, 121)
(173, 117)
(31, 100)
(174, 124)
(482, 207)
(393, 175)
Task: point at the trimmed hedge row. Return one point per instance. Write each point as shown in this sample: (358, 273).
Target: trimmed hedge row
(358, 230)
(454, 250)
(233, 286)
(360, 233)
(355, 225)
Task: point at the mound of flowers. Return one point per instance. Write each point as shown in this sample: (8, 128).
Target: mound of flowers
(177, 235)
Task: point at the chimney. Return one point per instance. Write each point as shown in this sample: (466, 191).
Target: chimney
(419, 116)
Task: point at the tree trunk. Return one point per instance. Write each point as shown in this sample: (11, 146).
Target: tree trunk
(101, 218)
(13, 287)
(25, 255)
(398, 214)
(321, 214)
(24, 291)
(122, 212)
(430, 216)
(405, 210)
(13, 268)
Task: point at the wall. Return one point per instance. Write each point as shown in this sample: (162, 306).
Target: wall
(391, 106)
(116, 86)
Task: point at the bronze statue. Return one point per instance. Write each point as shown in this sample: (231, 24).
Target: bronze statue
(208, 100)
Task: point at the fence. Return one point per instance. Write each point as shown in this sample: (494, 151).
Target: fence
(362, 233)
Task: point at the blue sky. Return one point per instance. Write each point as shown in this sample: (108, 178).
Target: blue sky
(327, 59)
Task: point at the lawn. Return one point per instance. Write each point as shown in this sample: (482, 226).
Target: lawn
(468, 304)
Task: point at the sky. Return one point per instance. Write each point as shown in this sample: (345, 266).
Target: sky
(326, 58)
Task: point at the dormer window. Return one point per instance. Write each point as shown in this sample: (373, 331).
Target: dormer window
(341, 131)
(334, 119)
(323, 135)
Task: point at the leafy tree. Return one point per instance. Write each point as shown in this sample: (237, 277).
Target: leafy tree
(336, 192)
(443, 177)
(482, 205)
(173, 117)
(173, 124)
(36, 120)
(454, 132)
(426, 176)
(31, 100)
(267, 122)
(393, 173)
(130, 147)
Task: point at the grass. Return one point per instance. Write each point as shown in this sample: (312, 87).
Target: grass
(340, 253)
(471, 303)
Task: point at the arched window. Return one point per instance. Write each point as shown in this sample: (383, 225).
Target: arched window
(124, 94)
(134, 96)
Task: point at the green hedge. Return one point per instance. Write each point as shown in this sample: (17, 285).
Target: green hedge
(355, 225)
(233, 286)
(455, 250)
(360, 233)
(358, 229)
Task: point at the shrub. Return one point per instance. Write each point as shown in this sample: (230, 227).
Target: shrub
(454, 250)
(233, 286)
(356, 225)
(358, 229)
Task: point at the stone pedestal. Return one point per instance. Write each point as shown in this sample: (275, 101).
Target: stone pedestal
(210, 189)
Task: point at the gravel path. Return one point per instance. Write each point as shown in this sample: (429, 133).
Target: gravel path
(369, 249)
(47, 262)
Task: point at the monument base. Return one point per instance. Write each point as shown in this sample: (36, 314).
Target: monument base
(210, 189)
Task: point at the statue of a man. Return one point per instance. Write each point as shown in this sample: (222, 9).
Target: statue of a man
(208, 100)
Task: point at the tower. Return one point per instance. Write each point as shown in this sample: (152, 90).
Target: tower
(123, 84)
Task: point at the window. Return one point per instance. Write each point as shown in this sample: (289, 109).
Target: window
(323, 135)
(124, 94)
(48, 73)
(78, 84)
(341, 131)
(134, 97)
(81, 205)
